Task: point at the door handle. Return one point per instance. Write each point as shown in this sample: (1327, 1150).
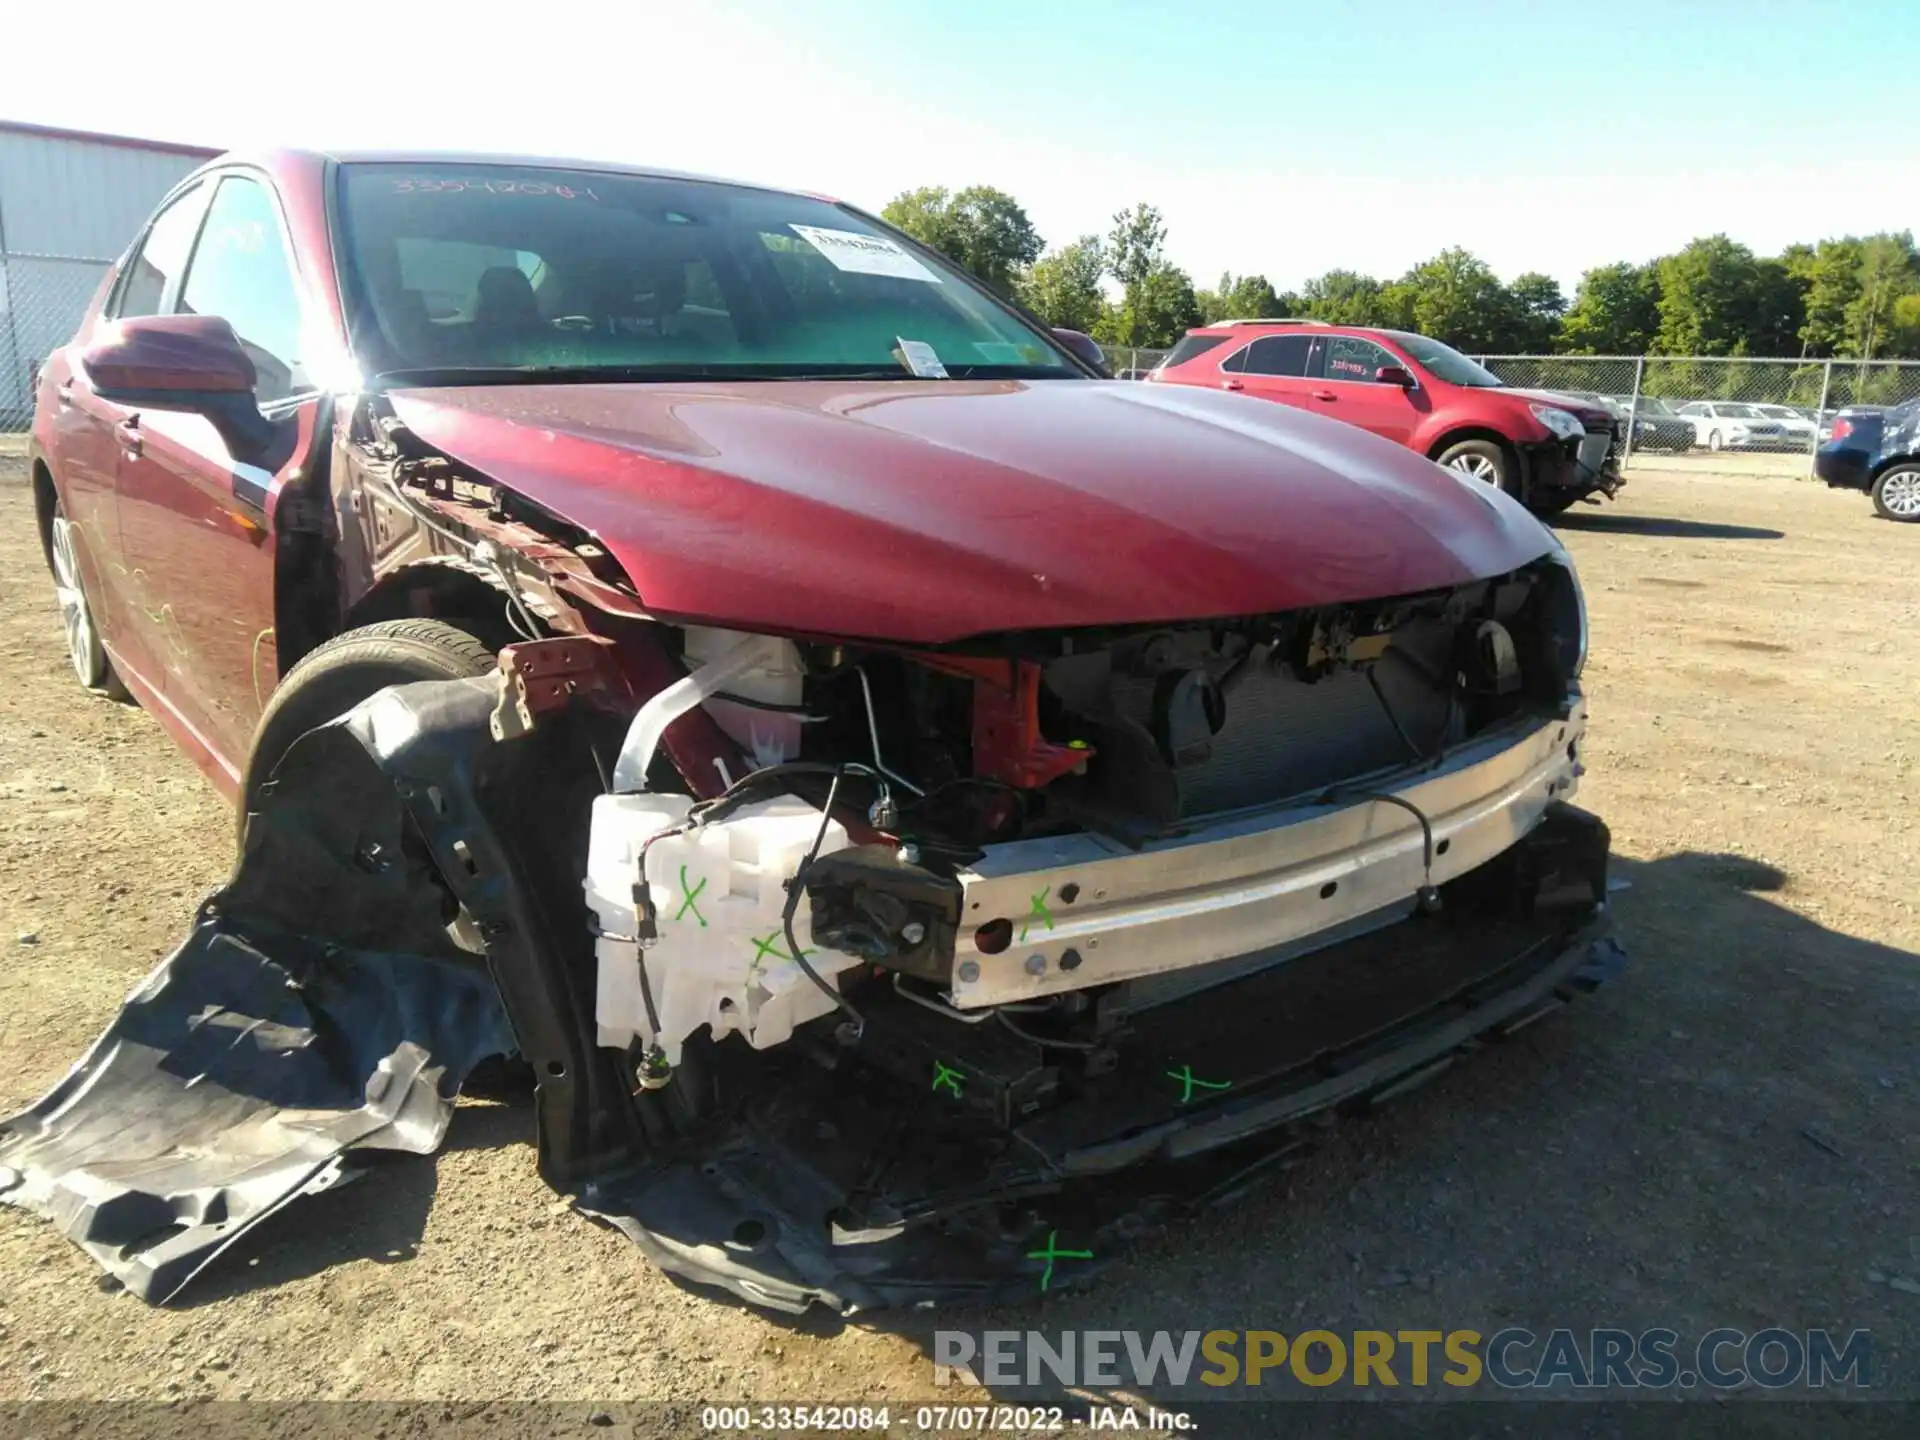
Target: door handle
(1232, 385)
(127, 432)
(65, 394)
(1325, 395)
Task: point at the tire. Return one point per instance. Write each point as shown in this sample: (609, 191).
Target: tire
(1896, 494)
(84, 650)
(336, 676)
(1713, 440)
(1482, 460)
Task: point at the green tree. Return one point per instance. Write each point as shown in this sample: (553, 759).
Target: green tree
(1136, 243)
(1616, 311)
(1903, 328)
(1154, 311)
(1709, 297)
(982, 229)
(1157, 302)
(1779, 309)
(1537, 309)
(1342, 297)
(1889, 270)
(1460, 302)
(1063, 288)
(1832, 278)
(1247, 297)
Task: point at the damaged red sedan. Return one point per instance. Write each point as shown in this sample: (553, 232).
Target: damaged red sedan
(923, 813)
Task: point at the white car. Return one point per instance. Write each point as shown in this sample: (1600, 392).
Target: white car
(1730, 425)
(1798, 427)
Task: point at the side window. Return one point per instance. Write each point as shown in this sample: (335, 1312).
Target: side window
(1278, 355)
(153, 275)
(1351, 358)
(1236, 362)
(241, 273)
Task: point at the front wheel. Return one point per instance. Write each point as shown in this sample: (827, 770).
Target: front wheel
(1713, 440)
(338, 675)
(1484, 461)
(1896, 494)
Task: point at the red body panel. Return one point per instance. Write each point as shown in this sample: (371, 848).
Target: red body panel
(930, 511)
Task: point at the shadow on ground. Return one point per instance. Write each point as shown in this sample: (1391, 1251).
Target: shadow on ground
(1613, 523)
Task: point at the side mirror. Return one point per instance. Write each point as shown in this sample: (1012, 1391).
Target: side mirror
(1082, 345)
(1395, 375)
(193, 363)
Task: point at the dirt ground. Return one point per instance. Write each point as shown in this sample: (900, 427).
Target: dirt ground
(1729, 1135)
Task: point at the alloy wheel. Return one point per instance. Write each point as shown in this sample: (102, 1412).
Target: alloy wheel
(1478, 466)
(1900, 493)
(83, 641)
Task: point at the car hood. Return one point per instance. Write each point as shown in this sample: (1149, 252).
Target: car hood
(929, 511)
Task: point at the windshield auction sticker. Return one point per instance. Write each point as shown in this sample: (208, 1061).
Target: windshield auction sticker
(864, 254)
(918, 357)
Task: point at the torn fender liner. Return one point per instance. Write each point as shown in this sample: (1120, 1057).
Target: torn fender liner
(246, 1066)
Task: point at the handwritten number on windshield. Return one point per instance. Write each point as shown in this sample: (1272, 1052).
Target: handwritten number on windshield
(493, 187)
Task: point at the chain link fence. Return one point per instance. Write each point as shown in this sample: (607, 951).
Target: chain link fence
(42, 298)
(1125, 362)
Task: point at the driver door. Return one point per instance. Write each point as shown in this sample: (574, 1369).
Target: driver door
(195, 522)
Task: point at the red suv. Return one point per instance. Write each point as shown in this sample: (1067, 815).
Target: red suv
(1548, 450)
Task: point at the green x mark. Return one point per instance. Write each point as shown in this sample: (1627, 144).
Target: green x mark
(687, 899)
(946, 1078)
(1053, 1253)
(1039, 908)
(771, 946)
(1190, 1081)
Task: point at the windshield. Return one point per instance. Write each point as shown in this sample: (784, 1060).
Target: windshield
(1739, 412)
(1445, 362)
(583, 274)
(1654, 405)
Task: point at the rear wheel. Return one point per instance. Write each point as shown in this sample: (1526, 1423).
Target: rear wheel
(338, 675)
(1896, 494)
(1482, 460)
(84, 650)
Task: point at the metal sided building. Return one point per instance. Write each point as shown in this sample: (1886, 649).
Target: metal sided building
(70, 202)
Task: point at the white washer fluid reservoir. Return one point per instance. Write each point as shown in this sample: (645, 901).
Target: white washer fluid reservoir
(721, 958)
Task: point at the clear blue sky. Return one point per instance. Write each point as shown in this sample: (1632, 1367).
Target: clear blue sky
(1280, 137)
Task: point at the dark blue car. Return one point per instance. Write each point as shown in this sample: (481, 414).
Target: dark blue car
(1876, 450)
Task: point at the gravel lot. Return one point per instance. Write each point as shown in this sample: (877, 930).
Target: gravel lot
(1730, 1135)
